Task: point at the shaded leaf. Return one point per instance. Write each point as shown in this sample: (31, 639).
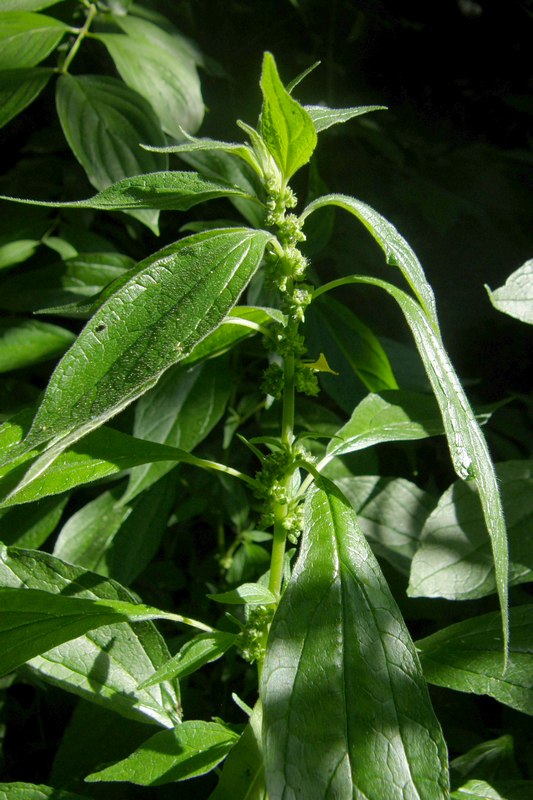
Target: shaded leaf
(104, 123)
(243, 774)
(454, 559)
(19, 88)
(30, 526)
(191, 749)
(24, 342)
(467, 657)
(26, 38)
(342, 688)
(105, 665)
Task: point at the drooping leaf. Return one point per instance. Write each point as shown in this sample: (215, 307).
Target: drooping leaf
(342, 689)
(104, 123)
(286, 127)
(515, 297)
(468, 448)
(203, 649)
(169, 191)
(398, 252)
(33, 791)
(26, 38)
(324, 117)
(454, 559)
(24, 342)
(169, 83)
(19, 88)
(105, 665)
(169, 304)
(467, 657)
(391, 512)
(180, 411)
(243, 774)
(191, 749)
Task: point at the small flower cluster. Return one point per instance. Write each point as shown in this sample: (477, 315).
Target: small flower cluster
(251, 640)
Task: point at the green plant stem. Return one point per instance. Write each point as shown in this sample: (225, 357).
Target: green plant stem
(92, 11)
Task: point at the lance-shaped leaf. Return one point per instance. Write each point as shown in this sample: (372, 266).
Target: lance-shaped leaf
(19, 88)
(515, 297)
(104, 122)
(346, 708)
(203, 649)
(468, 448)
(467, 657)
(243, 774)
(166, 191)
(398, 252)
(286, 127)
(324, 117)
(169, 304)
(106, 665)
(454, 558)
(26, 38)
(191, 749)
(24, 342)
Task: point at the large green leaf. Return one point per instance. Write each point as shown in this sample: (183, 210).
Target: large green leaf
(342, 689)
(19, 88)
(191, 749)
(169, 304)
(26, 38)
(515, 297)
(168, 82)
(467, 657)
(105, 665)
(468, 448)
(169, 191)
(104, 123)
(454, 558)
(180, 411)
(24, 342)
(286, 127)
(324, 117)
(398, 252)
(391, 512)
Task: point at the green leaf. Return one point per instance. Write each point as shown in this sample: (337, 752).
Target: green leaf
(247, 593)
(32, 791)
(26, 39)
(30, 526)
(476, 790)
(168, 82)
(391, 512)
(203, 649)
(28, 5)
(515, 297)
(34, 621)
(324, 117)
(398, 252)
(205, 145)
(19, 88)
(24, 342)
(180, 411)
(104, 123)
(393, 416)
(492, 761)
(105, 665)
(454, 558)
(468, 448)
(191, 749)
(163, 35)
(342, 689)
(169, 304)
(17, 252)
(243, 774)
(352, 350)
(168, 191)
(286, 127)
(466, 657)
